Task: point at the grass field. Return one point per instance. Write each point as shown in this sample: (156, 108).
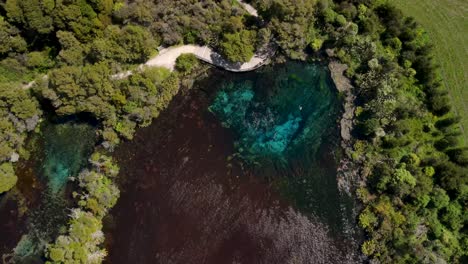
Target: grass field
(446, 21)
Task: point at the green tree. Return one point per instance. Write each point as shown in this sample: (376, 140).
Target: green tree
(7, 177)
(10, 39)
(240, 46)
(185, 63)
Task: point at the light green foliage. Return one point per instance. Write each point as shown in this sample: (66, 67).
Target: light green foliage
(7, 177)
(368, 248)
(439, 198)
(30, 14)
(402, 176)
(316, 44)
(99, 195)
(185, 63)
(367, 219)
(239, 46)
(19, 113)
(39, 60)
(72, 52)
(81, 245)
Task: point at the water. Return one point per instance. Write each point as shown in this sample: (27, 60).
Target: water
(285, 124)
(276, 113)
(67, 147)
(240, 169)
(60, 151)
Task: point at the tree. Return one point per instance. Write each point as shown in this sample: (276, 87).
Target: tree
(10, 39)
(185, 63)
(238, 47)
(72, 52)
(130, 44)
(7, 177)
(30, 14)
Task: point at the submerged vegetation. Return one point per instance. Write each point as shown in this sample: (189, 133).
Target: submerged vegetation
(98, 195)
(413, 169)
(277, 114)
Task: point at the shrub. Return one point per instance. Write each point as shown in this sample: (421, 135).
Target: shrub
(185, 63)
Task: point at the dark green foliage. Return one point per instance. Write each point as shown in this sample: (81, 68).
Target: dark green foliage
(184, 21)
(10, 39)
(130, 44)
(416, 179)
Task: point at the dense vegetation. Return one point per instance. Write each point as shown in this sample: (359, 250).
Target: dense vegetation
(81, 244)
(73, 51)
(407, 140)
(447, 26)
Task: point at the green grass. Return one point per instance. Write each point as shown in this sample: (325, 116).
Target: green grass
(446, 21)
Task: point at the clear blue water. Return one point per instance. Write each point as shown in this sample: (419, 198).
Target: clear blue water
(276, 113)
(286, 124)
(212, 179)
(66, 150)
(60, 151)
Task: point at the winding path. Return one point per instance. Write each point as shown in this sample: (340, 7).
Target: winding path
(167, 56)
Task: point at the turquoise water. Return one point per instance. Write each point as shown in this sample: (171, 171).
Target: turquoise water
(277, 113)
(66, 150)
(58, 152)
(286, 124)
(223, 174)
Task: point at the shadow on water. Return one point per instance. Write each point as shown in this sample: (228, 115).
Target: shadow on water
(36, 210)
(188, 196)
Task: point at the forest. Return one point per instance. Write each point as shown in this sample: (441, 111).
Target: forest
(413, 167)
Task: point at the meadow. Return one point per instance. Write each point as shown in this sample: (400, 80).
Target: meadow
(446, 22)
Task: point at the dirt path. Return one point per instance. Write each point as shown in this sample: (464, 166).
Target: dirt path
(167, 57)
(250, 9)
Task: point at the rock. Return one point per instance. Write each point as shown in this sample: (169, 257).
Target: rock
(343, 85)
(19, 125)
(14, 157)
(32, 122)
(348, 177)
(330, 52)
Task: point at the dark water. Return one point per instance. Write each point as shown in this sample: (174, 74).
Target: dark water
(204, 188)
(39, 208)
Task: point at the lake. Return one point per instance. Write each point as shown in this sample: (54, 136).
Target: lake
(239, 169)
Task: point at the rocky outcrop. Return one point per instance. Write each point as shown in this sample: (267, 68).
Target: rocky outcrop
(343, 85)
(348, 175)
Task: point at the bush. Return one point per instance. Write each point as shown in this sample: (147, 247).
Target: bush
(185, 63)
(7, 177)
(238, 47)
